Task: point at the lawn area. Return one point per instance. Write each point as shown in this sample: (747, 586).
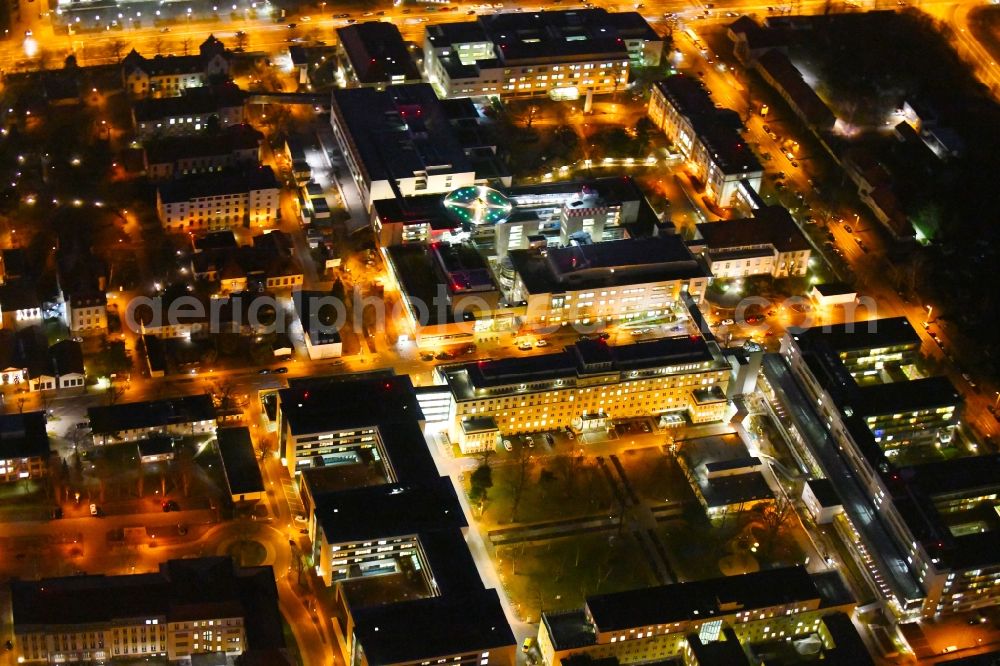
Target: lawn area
(655, 475)
(562, 487)
(558, 574)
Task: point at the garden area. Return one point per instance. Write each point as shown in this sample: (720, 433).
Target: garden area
(655, 476)
(529, 491)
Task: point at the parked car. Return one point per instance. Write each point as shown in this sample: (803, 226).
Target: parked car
(507, 445)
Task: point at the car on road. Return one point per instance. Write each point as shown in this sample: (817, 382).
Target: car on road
(427, 357)
(306, 19)
(524, 346)
(280, 371)
(292, 26)
(170, 505)
(968, 378)
(795, 164)
(507, 445)
(541, 343)
(530, 441)
(848, 229)
(727, 322)
(444, 356)
(644, 426)
(549, 439)
(300, 519)
(95, 510)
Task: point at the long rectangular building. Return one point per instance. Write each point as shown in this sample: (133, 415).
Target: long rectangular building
(187, 608)
(929, 532)
(707, 136)
(633, 279)
(399, 142)
(219, 200)
(588, 382)
(560, 54)
(657, 623)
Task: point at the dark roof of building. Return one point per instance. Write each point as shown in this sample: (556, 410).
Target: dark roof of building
(432, 627)
(398, 132)
(170, 149)
(389, 510)
(825, 492)
(849, 648)
(548, 36)
(156, 445)
(182, 590)
(701, 600)
(728, 651)
(15, 263)
(586, 357)
(110, 419)
(781, 70)
(769, 226)
(341, 405)
(862, 335)
(377, 52)
(239, 462)
(23, 436)
(19, 295)
(895, 397)
(67, 357)
(608, 264)
(207, 99)
(318, 316)
(217, 183)
(735, 489)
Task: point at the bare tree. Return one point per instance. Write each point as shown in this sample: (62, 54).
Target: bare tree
(115, 49)
(524, 463)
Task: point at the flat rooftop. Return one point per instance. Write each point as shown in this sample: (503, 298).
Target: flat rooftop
(586, 357)
(377, 52)
(23, 436)
(390, 510)
(704, 599)
(770, 226)
(111, 419)
(202, 185)
(344, 405)
(547, 36)
(426, 628)
(912, 395)
(859, 336)
(399, 132)
(608, 264)
(239, 462)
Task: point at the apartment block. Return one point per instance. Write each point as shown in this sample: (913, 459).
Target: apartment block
(559, 54)
(214, 201)
(194, 111)
(178, 156)
(185, 609)
(131, 421)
